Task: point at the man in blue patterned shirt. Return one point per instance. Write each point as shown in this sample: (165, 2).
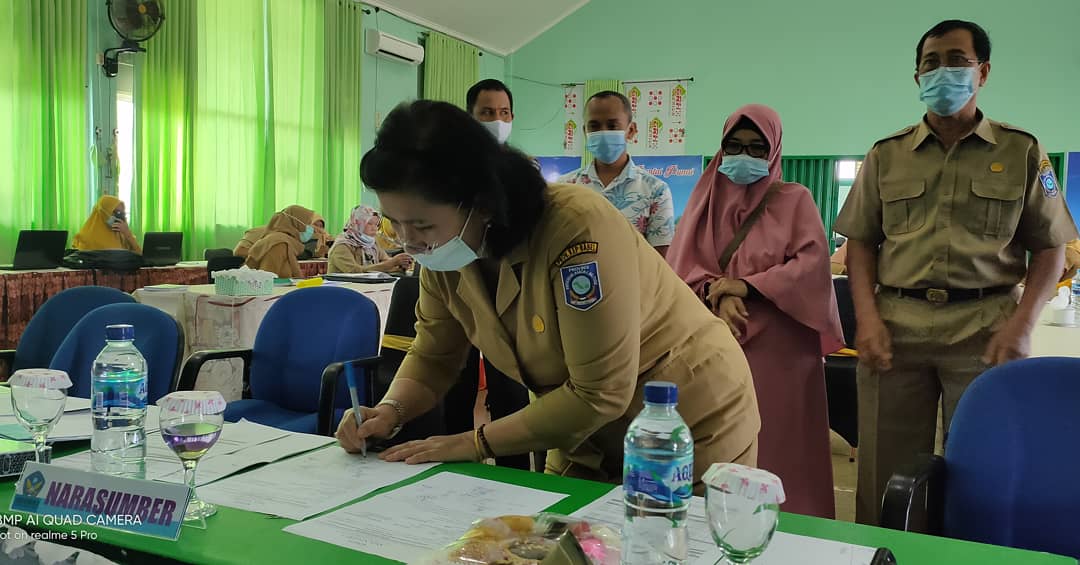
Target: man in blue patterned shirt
(644, 199)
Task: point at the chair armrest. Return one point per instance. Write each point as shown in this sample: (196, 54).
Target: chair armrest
(8, 356)
(194, 364)
(902, 495)
(328, 391)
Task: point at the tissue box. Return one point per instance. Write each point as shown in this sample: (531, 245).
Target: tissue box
(244, 282)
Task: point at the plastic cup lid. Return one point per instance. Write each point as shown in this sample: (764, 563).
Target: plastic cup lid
(193, 402)
(41, 378)
(748, 482)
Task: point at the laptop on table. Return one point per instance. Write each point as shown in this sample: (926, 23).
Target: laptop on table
(38, 249)
(162, 248)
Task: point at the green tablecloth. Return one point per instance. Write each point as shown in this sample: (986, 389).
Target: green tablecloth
(237, 536)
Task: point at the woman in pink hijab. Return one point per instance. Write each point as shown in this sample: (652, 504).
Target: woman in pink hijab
(775, 293)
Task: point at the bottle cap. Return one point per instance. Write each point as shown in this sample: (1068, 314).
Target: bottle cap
(661, 392)
(120, 332)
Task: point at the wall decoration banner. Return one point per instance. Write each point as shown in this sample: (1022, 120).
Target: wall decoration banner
(554, 167)
(574, 110)
(680, 172)
(660, 112)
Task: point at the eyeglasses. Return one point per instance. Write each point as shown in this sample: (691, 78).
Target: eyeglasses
(932, 63)
(754, 149)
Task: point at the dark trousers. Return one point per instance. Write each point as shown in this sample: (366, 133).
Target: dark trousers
(504, 397)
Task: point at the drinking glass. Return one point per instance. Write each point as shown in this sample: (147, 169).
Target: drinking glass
(191, 423)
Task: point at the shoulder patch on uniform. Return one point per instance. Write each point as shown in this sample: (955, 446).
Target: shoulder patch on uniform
(1046, 177)
(581, 285)
(573, 250)
(900, 133)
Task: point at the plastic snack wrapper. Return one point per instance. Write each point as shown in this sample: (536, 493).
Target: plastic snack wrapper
(544, 539)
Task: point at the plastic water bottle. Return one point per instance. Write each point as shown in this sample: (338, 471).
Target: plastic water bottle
(118, 406)
(658, 478)
(1076, 299)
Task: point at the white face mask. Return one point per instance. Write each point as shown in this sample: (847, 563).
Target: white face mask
(499, 129)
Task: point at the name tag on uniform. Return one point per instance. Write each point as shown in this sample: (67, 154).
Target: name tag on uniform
(581, 285)
(69, 497)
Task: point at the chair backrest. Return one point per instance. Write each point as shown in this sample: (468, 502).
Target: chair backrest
(54, 320)
(846, 308)
(1011, 458)
(158, 337)
(302, 333)
(401, 316)
(215, 264)
(217, 253)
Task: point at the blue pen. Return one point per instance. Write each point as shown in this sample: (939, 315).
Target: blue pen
(350, 377)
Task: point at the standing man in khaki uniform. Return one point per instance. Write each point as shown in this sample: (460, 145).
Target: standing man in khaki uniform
(559, 292)
(939, 224)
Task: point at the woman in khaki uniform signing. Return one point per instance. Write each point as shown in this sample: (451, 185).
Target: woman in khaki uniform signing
(558, 291)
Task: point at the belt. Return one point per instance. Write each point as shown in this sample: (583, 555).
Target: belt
(946, 295)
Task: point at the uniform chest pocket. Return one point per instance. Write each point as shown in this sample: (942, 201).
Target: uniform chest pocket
(903, 206)
(996, 207)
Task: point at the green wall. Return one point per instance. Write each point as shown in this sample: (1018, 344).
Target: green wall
(838, 71)
(387, 83)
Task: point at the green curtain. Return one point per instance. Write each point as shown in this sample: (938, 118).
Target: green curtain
(164, 127)
(819, 175)
(233, 187)
(343, 50)
(592, 87)
(450, 68)
(44, 147)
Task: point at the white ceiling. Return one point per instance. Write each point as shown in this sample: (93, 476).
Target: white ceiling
(498, 26)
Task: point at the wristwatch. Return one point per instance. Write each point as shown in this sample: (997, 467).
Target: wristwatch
(399, 410)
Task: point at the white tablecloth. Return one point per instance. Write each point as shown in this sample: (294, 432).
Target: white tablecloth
(211, 321)
(1054, 341)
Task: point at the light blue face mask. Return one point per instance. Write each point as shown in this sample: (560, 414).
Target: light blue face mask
(307, 234)
(366, 240)
(945, 90)
(606, 146)
(744, 169)
(453, 255)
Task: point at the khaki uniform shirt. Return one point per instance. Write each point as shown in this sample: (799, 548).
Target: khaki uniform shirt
(584, 313)
(963, 217)
(346, 258)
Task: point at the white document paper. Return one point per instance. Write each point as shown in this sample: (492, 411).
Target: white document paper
(783, 550)
(241, 445)
(407, 523)
(304, 486)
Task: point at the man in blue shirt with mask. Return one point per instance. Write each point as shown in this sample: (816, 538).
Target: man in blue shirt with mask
(644, 199)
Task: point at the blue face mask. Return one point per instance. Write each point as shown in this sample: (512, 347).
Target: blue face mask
(945, 90)
(366, 240)
(307, 234)
(606, 146)
(744, 169)
(453, 255)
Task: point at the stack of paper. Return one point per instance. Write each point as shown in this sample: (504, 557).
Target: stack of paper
(407, 523)
(301, 487)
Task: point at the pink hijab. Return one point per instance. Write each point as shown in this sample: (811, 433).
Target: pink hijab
(785, 256)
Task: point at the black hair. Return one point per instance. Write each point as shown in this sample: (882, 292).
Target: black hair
(612, 94)
(436, 151)
(979, 38)
(486, 84)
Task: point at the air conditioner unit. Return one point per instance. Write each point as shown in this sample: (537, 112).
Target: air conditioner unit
(394, 48)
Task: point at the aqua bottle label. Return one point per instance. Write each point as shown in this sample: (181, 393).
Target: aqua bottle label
(668, 482)
(120, 394)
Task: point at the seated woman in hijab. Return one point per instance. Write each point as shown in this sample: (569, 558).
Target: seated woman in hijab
(319, 245)
(286, 233)
(107, 228)
(356, 251)
(753, 247)
(250, 237)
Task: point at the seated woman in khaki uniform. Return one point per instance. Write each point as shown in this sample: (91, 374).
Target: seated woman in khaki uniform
(558, 291)
(356, 250)
(284, 239)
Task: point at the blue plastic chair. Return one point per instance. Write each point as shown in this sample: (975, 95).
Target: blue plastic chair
(1010, 467)
(306, 334)
(157, 336)
(54, 320)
